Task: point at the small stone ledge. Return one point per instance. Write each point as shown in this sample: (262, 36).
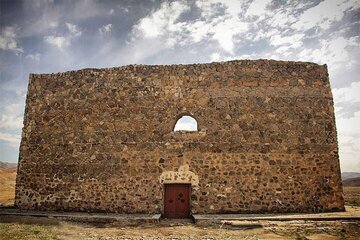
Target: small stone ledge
(218, 219)
(91, 218)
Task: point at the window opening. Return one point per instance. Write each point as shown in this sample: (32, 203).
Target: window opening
(186, 123)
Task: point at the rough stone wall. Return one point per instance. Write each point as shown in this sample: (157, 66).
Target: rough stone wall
(103, 140)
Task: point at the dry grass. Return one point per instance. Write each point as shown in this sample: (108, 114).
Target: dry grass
(352, 196)
(270, 230)
(7, 186)
(23, 231)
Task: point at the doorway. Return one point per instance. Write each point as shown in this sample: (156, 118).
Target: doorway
(177, 200)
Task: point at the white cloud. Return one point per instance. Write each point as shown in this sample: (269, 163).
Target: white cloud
(335, 52)
(223, 29)
(35, 56)
(162, 20)
(226, 30)
(209, 8)
(293, 40)
(349, 141)
(64, 41)
(224, 37)
(105, 28)
(8, 40)
(258, 8)
(233, 7)
(348, 128)
(282, 18)
(12, 139)
(12, 116)
(198, 30)
(160, 24)
(324, 14)
(215, 57)
(111, 11)
(73, 29)
(149, 29)
(286, 45)
(8, 121)
(284, 50)
(59, 42)
(170, 42)
(347, 94)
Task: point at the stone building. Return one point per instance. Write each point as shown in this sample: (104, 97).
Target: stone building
(103, 140)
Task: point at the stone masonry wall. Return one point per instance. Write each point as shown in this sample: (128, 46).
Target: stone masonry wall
(102, 139)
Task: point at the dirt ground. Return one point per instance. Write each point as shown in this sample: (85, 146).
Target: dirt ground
(264, 230)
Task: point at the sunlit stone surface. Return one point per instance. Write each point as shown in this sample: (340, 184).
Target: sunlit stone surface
(103, 139)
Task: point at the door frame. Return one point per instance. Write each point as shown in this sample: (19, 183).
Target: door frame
(163, 197)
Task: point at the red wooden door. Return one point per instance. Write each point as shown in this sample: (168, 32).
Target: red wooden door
(177, 201)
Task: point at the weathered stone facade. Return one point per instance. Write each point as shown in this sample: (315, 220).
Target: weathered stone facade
(103, 139)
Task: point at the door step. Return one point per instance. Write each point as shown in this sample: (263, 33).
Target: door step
(176, 222)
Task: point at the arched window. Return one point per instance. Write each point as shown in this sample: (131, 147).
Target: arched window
(186, 123)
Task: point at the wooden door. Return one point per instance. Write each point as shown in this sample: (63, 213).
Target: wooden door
(177, 201)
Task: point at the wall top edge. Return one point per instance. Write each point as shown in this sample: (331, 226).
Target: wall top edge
(261, 63)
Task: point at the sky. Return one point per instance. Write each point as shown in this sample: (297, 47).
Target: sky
(186, 123)
(45, 36)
